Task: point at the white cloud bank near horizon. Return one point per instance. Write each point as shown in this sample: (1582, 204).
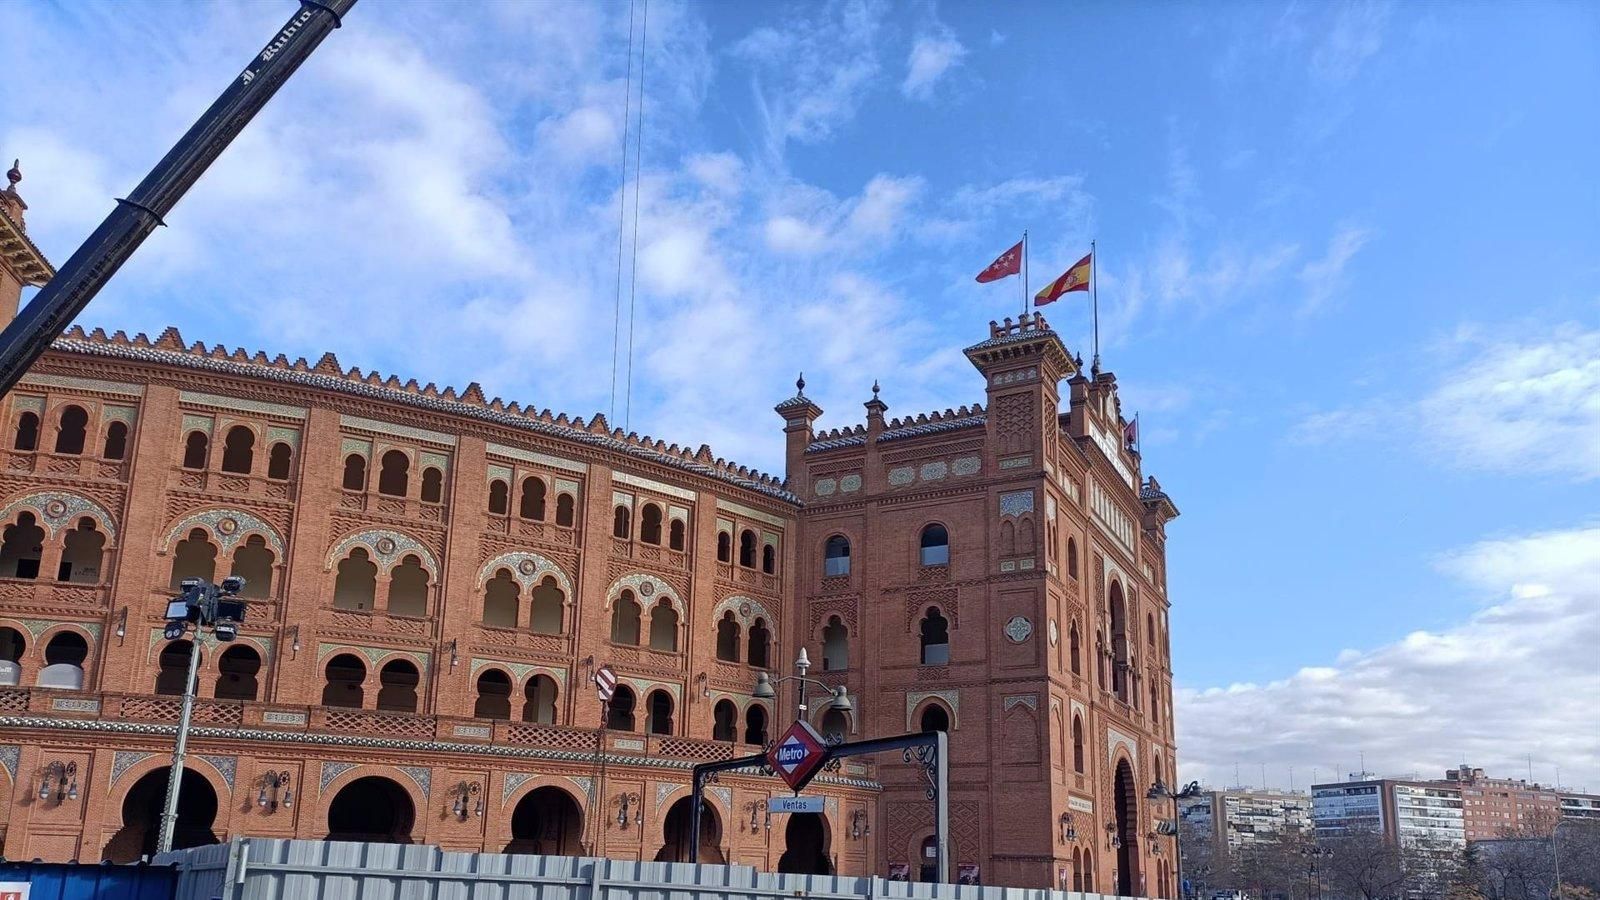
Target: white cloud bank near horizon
(1517, 679)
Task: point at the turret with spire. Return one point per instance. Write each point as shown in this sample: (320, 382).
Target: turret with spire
(21, 263)
(799, 414)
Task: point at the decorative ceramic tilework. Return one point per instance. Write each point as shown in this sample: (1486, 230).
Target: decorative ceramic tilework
(273, 717)
(373, 654)
(643, 686)
(1016, 376)
(229, 527)
(648, 588)
(826, 486)
(967, 465)
(1025, 565)
(10, 757)
(618, 498)
(277, 434)
(75, 704)
(951, 697)
(1031, 701)
(387, 547)
(499, 473)
(1019, 629)
(405, 431)
(351, 445)
(1008, 566)
(1114, 738)
(583, 783)
(250, 406)
(769, 539)
(422, 775)
(850, 484)
(123, 760)
(437, 460)
(934, 471)
(528, 569)
(739, 509)
(1055, 633)
(538, 459)
(627, 744)
(1016, 462)
(745, 609)
(567, 486)
(471, 731)
(513, 781)
(1050, 506)
(1015, 503)
(332, 770)
(58, 509)
(902, 475)
(677, 514)
(651, 484)
(226, 766)
(724, 793)
(85, 384)
(34, 404)
(37, 627)
(123, 414)
(663, 791)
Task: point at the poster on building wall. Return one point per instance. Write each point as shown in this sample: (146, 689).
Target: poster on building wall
(898, 871)
(967, 873)
(13, 890)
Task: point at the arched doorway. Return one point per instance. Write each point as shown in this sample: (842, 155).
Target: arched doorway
(928, 871)
(805, 842)
(1127, 829)
(546, 821)
(141, 816)
(677, 828)
(371, 809)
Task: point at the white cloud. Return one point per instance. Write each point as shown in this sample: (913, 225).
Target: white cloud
(1324, 277)
(1355, 37)
(932, 55)
(1516, 678)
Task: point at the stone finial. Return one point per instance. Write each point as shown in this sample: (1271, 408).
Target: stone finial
(874, 388)
(14, 175)
(800, 385)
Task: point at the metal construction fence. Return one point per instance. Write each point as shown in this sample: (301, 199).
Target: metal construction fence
(277, 869)
(78, 881)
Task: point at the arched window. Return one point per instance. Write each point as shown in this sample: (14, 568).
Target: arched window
(1150, 630)
(499, 498)
(1119, 643)
(194, 557)
(664, 626)
(1072, 557)
(1077, 745)
(397, 686)
(724, 547)
(564, 510)
(355, 472)
(195, 449)
(1074, 651)
(238, 450)
(935, 547)
(394, 474)
(619, 712)
(432, 485)
(934, 718)
(836, 556)
(650, 524)
(760, 644)
(80, 559)
(22, 548)
(408, 588)
(74, 423)
(540, 700)
(1025, 537)
(547, 607)
(12, 646)
(116, 446)
(237, 668)
(1077, 871)
(532, 505)
(675, 535)
(625, 616)
(935, 638)
(494, 695)
(500, 600)
(621, 526)
(835, 725)
(725, 721)
(658, 713)
(253, 563)
(356, 586)
(769, 559)
(172, 665)
(835, 645)
(278, 460)
(1008, 538)
(1155, 707)
(728, 638)
(27, 432)
(755, 724)
(344, 676)
(747, 549)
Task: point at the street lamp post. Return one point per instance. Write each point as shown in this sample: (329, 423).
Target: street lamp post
(1156, 792)
(1314, 854)
(766, 687)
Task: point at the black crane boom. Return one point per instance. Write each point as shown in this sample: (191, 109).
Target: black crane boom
(51, 310)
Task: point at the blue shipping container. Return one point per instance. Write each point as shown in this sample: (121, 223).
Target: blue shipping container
(72, 881)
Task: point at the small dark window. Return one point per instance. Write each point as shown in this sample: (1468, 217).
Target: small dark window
(278, 460)
(532, 506)
(1072, 558)
(195, 447)
(355, 472)
(620, 523)
(432, 485)
(935, 638)
(725, 721)
(769, 559)
(619, 712)
(675, 538)
(27, 432)
(747, 549)
(1077, 745)
(760, 644)
(395, 475)
(935, 718)
(650, 524)
(755, 725)
(836, 556)
(116, 441)
(564, 510)
(499, 498)
(728, 638)
(74, 423)
(724, 547)
(660, 712)
(238, 450)
(935, 550)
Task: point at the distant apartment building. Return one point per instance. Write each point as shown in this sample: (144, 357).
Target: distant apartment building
(1416, 814)
(1493, 808)
(1237, 818)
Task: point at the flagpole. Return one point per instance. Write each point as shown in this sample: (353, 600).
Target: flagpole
(1094, 293)
(1024, 271)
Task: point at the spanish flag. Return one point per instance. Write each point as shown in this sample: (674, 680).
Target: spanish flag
(1074, 279)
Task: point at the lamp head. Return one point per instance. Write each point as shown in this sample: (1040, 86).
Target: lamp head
(763, 690)
(842, 701)
(802, 662)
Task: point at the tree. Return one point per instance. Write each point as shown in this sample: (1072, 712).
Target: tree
(1364, 864)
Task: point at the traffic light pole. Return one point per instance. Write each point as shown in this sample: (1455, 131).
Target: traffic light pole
(169, 812)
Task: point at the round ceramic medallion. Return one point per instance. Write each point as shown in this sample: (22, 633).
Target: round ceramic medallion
(228, 526)
(1018, 629)
(646, 588)
(55, 509)
(526, 567)
(386, 545)
(746, 609)
(1055, 633)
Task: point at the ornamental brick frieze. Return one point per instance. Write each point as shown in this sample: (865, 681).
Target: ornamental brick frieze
(522, 643)
(844, 607)
(492, 544)
(528, 569)
(386, 547)
(944, 598)
(54, 601)
(622, 574)
(55, 510)
(229, 526)
(746, 610)
(363, 623)
(523, 532)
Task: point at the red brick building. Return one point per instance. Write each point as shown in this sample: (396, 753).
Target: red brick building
(433, 577)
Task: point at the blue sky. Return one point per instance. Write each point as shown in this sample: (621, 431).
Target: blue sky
(1350, 262)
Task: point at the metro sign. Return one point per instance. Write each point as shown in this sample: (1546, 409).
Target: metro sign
(797, 755)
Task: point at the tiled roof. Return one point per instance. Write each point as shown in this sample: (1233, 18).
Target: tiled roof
(910, 429)
(327, 376)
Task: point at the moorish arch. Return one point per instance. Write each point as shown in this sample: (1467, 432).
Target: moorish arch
(745, 610)
(529, 569)
(386, 547)
(55, 510)
(649, 590)
(228, 527)
(382, 804)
